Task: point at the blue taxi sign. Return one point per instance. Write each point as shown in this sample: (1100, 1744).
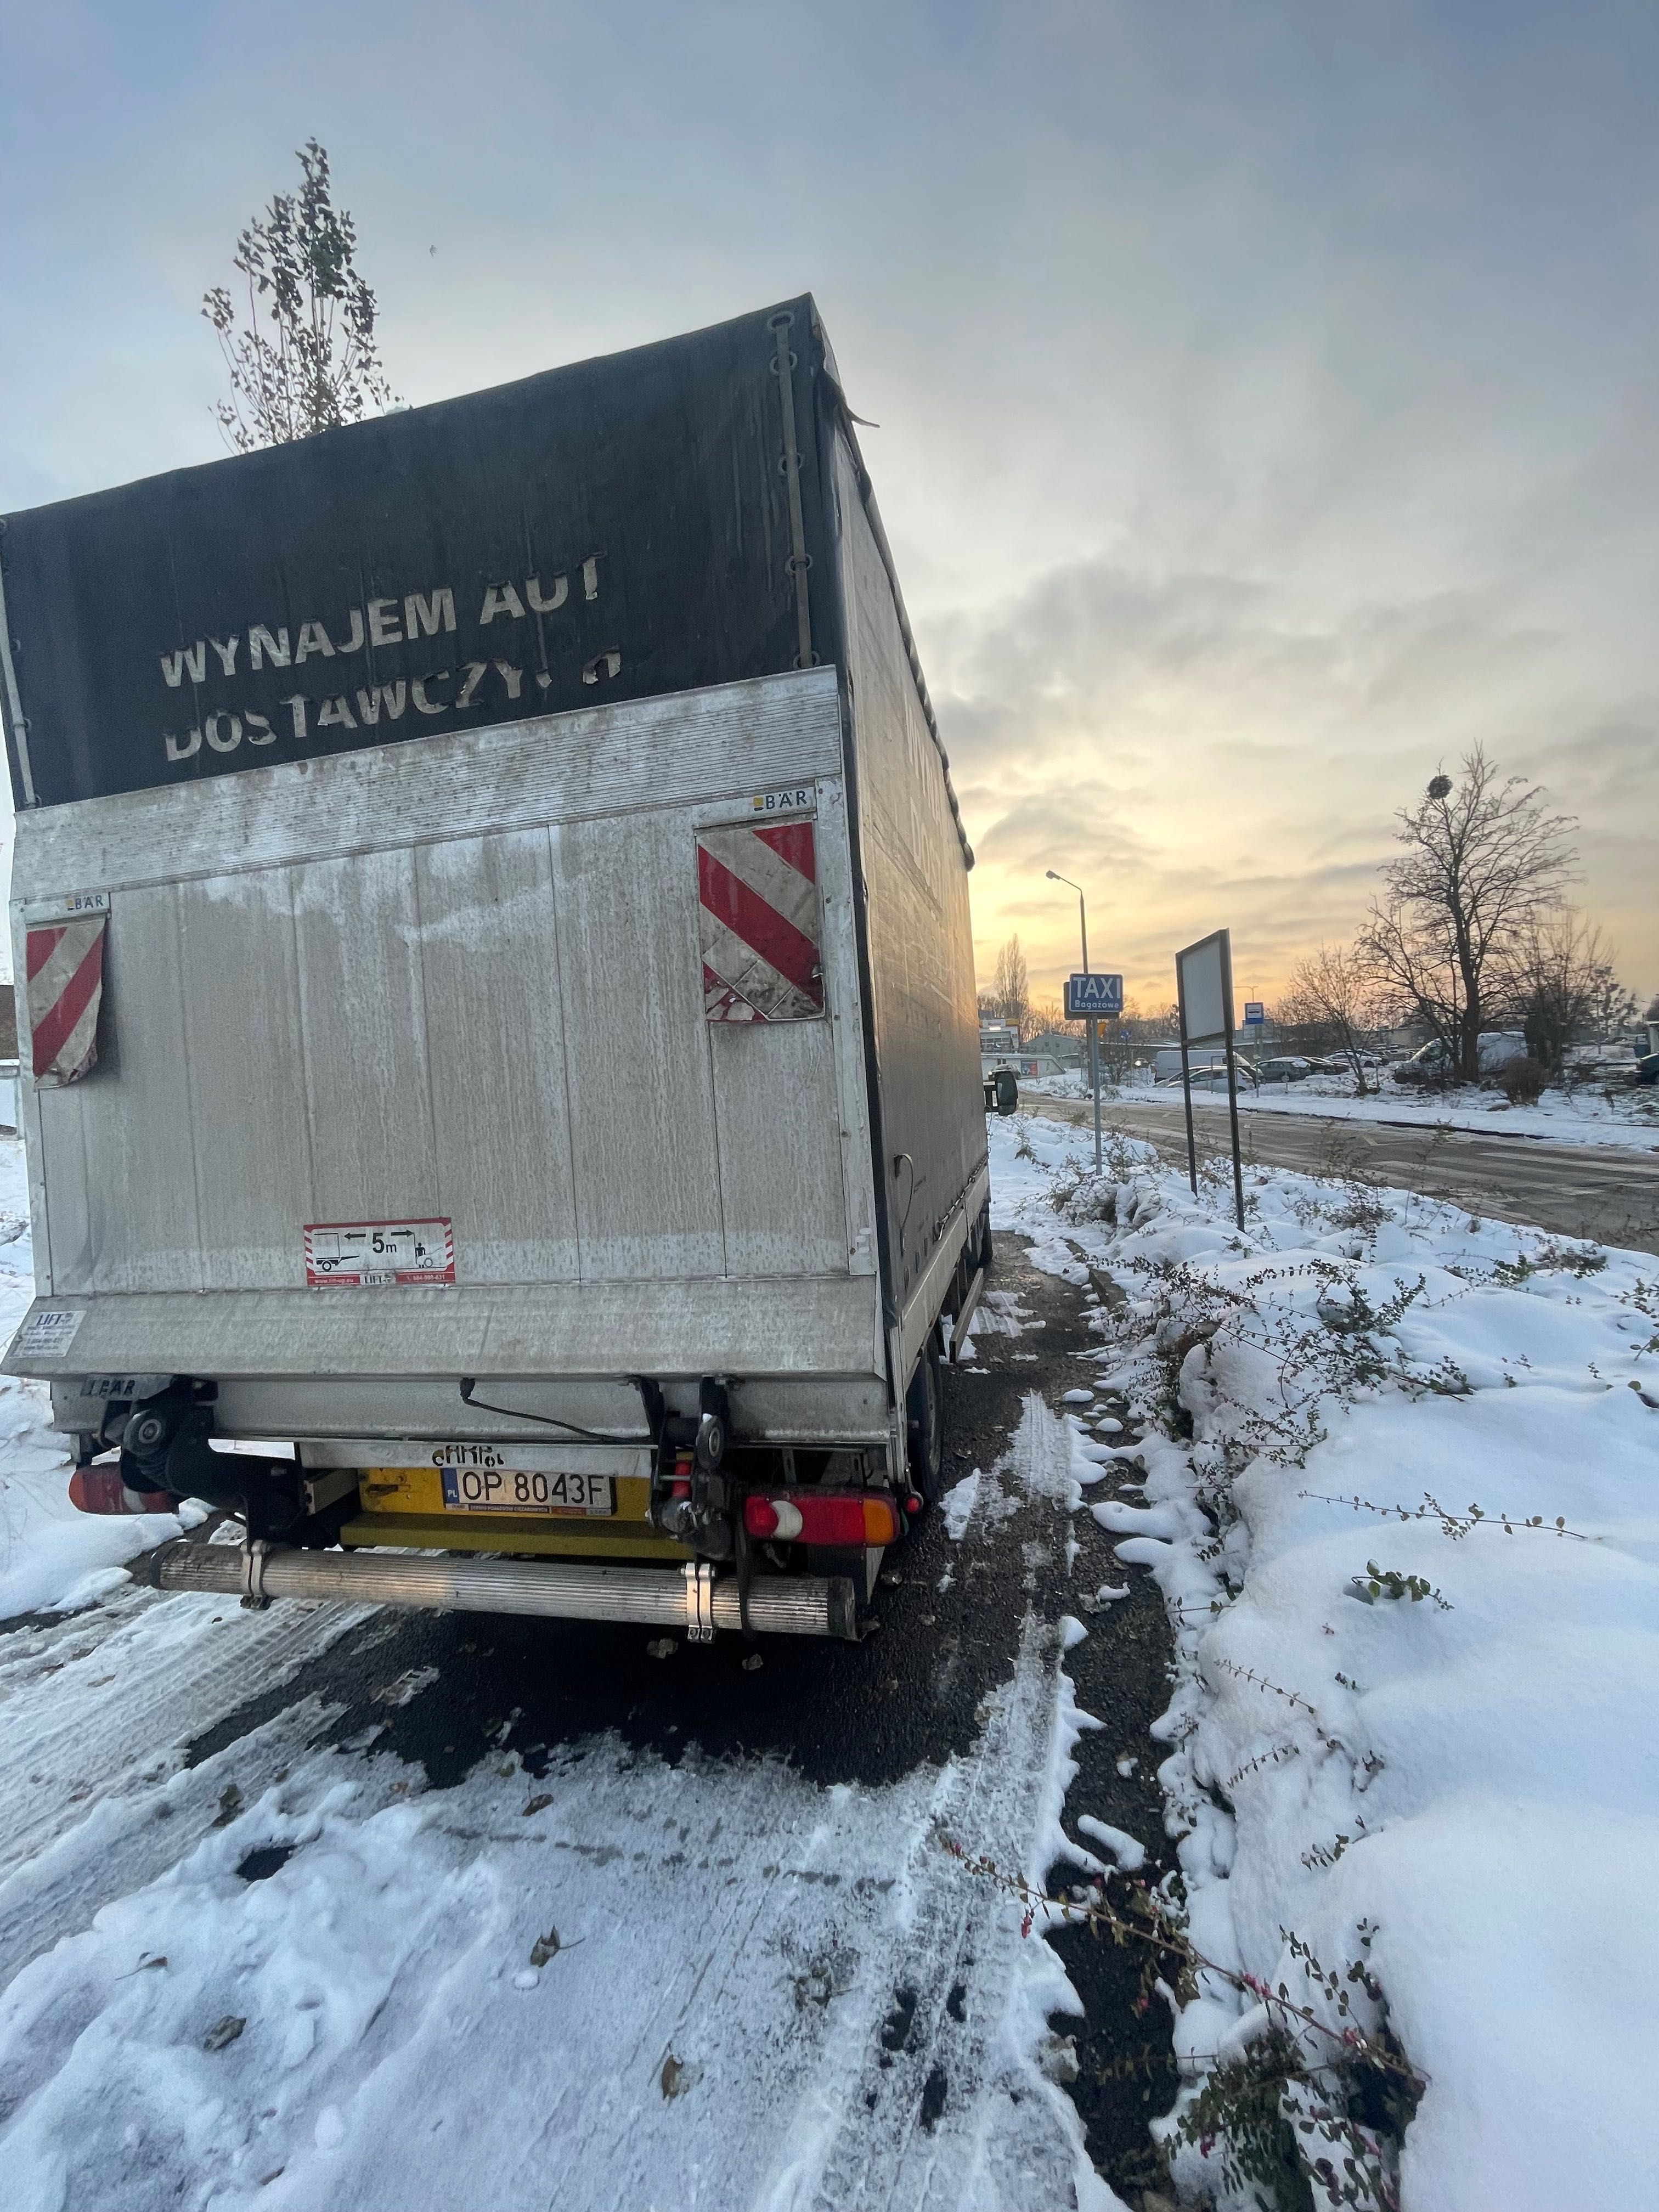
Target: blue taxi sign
(1093, 995)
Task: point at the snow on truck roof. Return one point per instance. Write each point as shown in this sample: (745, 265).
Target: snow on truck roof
(618, 528)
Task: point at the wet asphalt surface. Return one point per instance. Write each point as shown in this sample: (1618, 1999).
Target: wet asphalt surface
(865, 1714)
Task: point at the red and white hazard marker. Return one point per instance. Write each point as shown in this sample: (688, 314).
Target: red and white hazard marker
(757, 915)
(65, 989)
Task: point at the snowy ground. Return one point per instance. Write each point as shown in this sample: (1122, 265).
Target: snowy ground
(281, 1967)
(245, 1960)
(1589, 1116)
(620, 1983)
(1449, 1786)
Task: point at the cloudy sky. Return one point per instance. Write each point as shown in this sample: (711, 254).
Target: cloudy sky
(1267, 391)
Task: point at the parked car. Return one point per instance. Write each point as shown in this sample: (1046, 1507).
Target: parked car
(1215, 1078)
(1431, 1063)
(1646, 1070)
(1288, 1067)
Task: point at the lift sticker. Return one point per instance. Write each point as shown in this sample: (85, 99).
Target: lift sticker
(49, 1332)
(374, 1256)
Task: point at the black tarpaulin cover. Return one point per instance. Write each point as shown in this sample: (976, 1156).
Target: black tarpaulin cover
(611, 530)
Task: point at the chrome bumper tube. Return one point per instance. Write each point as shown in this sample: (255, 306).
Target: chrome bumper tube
(693, 1600)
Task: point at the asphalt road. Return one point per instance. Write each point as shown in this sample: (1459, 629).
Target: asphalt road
(1600, 1191)
(445, 1699)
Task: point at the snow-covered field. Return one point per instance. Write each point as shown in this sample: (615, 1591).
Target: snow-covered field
(1410, 1552)
(1588, 1115)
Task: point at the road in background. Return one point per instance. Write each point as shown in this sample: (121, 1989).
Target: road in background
(1598, 1191)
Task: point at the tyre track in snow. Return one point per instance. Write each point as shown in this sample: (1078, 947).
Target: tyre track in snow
(953, 1977)
(97, 1713)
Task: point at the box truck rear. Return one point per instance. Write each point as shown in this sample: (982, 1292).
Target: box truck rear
(499, 1062)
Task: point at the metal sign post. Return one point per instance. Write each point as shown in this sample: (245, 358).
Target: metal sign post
(1187, 1079)
(1204, 995)
(1087, 998)
(1094, 1086)
(1255, 1015)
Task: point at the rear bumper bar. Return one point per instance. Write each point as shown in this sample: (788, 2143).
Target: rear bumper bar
(694, 1600)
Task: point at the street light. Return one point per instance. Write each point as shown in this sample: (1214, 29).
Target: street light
(1082, 911)
(1054, 877)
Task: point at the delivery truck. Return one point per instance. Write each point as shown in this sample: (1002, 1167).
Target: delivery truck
(499, 1060)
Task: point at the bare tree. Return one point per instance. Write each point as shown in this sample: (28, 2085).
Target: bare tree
(1483, 859)
(1564, 985)
(1117, 1041)
(1336, 991)
(307, 359)
(1013, 984)
(1049, 1015)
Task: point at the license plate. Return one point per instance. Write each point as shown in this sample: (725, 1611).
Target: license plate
(504, 1490)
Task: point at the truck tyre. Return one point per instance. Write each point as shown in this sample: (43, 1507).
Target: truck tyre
(982, 1240)
(925, 1413)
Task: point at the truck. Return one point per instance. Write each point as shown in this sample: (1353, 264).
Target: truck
(498, 1060)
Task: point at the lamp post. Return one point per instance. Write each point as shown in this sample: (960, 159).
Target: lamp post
(1094, 1054)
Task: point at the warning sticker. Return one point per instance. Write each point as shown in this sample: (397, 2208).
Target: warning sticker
(48, 1333)
(374, 1256)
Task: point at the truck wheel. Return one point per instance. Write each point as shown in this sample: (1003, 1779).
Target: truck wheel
(982, 1240)
(924, 1411)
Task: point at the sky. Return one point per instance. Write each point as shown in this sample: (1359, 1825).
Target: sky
(1267, 392)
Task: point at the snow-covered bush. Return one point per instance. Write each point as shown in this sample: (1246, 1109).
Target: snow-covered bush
(1412, 1786)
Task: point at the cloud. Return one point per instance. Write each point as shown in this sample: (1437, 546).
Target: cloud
(1199, 751)
(1268, 400)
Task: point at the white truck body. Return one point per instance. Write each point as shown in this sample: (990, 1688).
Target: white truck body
(458, 986)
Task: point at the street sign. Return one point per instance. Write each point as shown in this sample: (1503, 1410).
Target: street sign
(1204, 989)
(1254, 1013)
(1093, 995)
(1204, 995)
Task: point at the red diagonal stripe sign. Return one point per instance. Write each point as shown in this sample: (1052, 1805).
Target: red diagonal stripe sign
(758, 923)
(64, 990)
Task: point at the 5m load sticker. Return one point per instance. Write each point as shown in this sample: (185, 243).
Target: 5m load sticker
(374, 1256)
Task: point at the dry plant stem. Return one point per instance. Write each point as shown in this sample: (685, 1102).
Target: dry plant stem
(1455, 1525)
(1152, 1926)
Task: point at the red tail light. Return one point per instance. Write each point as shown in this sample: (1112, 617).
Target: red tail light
(100, 1490)
(848, 1519)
